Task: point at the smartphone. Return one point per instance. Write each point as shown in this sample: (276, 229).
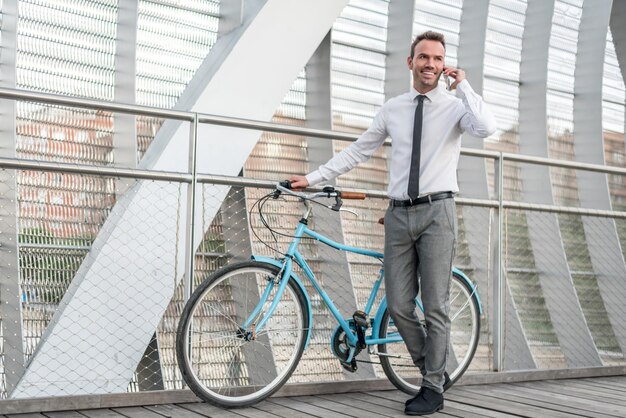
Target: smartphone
(446, 79)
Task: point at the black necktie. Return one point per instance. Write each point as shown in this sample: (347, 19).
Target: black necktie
(414, 174)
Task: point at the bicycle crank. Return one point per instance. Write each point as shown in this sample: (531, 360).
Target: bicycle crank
(343, 350)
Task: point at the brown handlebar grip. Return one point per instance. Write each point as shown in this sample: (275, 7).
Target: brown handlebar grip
(353, 195)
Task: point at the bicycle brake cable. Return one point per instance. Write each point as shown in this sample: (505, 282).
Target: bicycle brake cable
(264, 221)
(293, 236)
(261, 203)
(267, 196)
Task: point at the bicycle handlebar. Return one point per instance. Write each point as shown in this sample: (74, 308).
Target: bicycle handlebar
(328, 192)
(353, 195)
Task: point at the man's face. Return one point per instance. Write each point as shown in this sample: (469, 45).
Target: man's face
(427, 64)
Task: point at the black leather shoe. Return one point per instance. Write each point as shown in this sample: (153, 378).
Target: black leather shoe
(427, 402)
(447, 383)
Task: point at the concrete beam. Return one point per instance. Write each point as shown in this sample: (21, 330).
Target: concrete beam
(557, 285)
(603, 242)
(87, 348)
(618, 30)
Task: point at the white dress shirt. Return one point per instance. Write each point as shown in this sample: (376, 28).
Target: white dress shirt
(445, 118)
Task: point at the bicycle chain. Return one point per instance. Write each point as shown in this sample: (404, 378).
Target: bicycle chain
(378, 362)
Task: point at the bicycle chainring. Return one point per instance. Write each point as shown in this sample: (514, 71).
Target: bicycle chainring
(340, 346)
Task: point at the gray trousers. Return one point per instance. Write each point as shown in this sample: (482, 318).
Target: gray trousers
(420, 242)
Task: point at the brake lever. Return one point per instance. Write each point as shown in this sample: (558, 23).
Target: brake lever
(338, 203)
(349, 211)
(283, 186)
(337, 207)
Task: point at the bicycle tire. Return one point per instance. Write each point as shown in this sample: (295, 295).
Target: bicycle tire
(402, 372)
(254, 371)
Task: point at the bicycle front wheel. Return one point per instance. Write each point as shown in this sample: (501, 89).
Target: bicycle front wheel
(464, 334)
(226, 363)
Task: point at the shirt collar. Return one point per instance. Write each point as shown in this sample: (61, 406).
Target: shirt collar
(432, 95)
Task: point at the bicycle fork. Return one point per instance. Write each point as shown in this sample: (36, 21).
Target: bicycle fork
(282, 279)
(249, 328)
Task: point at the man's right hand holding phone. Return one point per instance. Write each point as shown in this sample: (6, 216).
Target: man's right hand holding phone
(456, 73)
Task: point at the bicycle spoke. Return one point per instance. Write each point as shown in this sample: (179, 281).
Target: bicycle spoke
(468, 314)
(461, 309)
(228, 317)
(266, 331)
(218, 338)
(268, 346)
(232, 362)
(455, 296)
(223, 364)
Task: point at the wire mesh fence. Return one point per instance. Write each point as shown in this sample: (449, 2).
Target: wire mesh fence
(88, 294)
(100, 289)
(99, 293)
(93, 274)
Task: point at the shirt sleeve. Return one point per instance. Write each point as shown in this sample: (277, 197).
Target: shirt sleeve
(359, 151)
(477, 119)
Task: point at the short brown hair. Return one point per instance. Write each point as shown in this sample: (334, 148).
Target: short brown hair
(430, 36)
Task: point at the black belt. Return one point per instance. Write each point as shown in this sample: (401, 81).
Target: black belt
(420, 200)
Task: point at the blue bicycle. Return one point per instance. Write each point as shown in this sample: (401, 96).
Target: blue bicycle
(244, 329)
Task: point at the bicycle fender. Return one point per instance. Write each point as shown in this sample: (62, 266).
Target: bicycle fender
(471, 285)
(274, 262)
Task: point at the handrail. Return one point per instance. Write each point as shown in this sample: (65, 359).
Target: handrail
(268, 184)
(57, 99)
(23, 164)
(563, 163)
(17, 94)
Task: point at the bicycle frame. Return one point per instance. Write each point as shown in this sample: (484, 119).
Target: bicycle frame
(286, 266)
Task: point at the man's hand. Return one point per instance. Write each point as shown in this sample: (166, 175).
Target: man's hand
(456, 73)
(298, 182)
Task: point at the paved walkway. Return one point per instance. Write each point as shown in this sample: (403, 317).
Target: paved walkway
(592, 397)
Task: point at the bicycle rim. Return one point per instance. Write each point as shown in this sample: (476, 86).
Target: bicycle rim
(464, 334)
(227, 365)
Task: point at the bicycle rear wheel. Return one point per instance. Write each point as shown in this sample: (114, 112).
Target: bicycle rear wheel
(226, 364)
(464, 334)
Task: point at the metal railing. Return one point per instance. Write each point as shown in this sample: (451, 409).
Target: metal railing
(193, 179)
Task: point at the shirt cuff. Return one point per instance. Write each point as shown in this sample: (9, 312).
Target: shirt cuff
(314, 178)
(463, 88)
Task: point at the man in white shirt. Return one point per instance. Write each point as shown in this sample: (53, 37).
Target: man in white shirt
(425, 126)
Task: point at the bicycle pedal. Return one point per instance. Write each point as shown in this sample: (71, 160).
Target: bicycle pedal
(349, 366)
(360, 319)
